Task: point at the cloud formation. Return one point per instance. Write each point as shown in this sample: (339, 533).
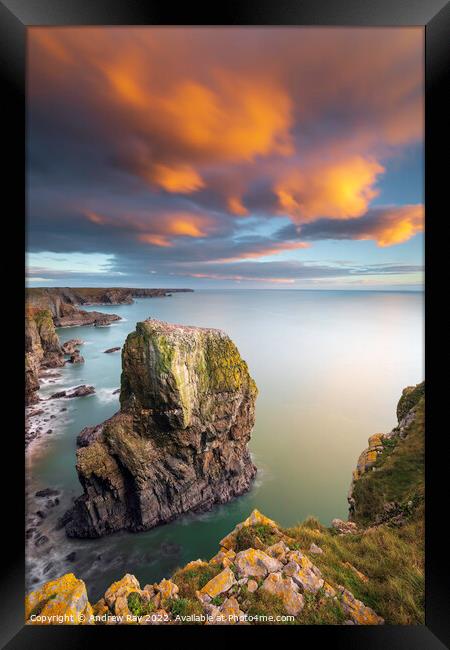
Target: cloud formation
(182, 146)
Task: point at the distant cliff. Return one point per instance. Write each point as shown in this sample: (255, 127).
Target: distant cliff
(42, 349)
(179, 442)
(64, 302)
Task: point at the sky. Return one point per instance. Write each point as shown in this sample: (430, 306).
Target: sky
(281, 158)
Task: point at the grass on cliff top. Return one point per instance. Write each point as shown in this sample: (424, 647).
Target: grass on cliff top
(399, 475)
(191, 580)
(391, 558)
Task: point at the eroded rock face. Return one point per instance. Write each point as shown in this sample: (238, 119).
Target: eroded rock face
(179, 442)
(42, 349)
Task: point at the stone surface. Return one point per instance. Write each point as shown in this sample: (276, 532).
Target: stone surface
(180, 440)
(256, 563)
(42, 349)
(305, 577)
(76, 357)
(225, 557)
(285, 589)
(315, 549)
(220, 583)
(344, 527)
(167, 589)
(59, 602)
(359, 613)
(254, 519)
(71, 345)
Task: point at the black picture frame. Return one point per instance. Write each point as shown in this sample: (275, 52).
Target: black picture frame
(15, 17)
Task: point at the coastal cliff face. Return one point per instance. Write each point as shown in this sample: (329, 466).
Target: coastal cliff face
(179, 442)
(42, 349)
(388, 482)
(63, 302)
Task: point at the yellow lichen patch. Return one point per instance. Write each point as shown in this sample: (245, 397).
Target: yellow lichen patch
(357, 611)
(231, 612)
(376, 440)
(167, 589)
(255, 518)
(360, 575)
(256, 563)
(220, 583)
(59, 602)
(329, 591)
(224, 557)
(122, 587)
(285, 589)
(194, 564)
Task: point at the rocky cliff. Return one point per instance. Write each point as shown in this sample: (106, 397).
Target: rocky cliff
(63, 302)
(179, 442)
(388, 482)
(42, 349)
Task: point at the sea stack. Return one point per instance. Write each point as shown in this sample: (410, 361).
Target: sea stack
(179, 441)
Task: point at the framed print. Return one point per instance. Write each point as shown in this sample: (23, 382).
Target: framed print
(227, 222)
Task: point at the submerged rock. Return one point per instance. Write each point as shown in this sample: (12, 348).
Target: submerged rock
(179, 442)
(70, 346)
(109, 350)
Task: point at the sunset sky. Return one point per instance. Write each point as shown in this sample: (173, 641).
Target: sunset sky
(225, 157)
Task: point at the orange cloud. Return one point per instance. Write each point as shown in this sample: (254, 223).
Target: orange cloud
(183, 179)
(386, 225)
(157, 229)
(399, 226)
(94, 217)
(236, 119)
(155, 240)
(236, 206)
(267, 251)
(335, 190)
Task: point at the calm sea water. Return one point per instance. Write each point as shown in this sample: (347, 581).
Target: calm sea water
(330, 367)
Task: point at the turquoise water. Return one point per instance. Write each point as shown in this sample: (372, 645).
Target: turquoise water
(330, 367)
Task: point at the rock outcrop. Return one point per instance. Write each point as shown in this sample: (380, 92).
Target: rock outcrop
(237, 586)
(42, 349)
(179, 442)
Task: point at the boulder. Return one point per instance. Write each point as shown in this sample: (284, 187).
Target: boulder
(76, 357)
(70, 345)
(220, 583)
(256, 563)
(315, 549)
(285, 589)
(344, 527)
(59, 602)
(359, 613)
(81, 391)
(167, 589)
